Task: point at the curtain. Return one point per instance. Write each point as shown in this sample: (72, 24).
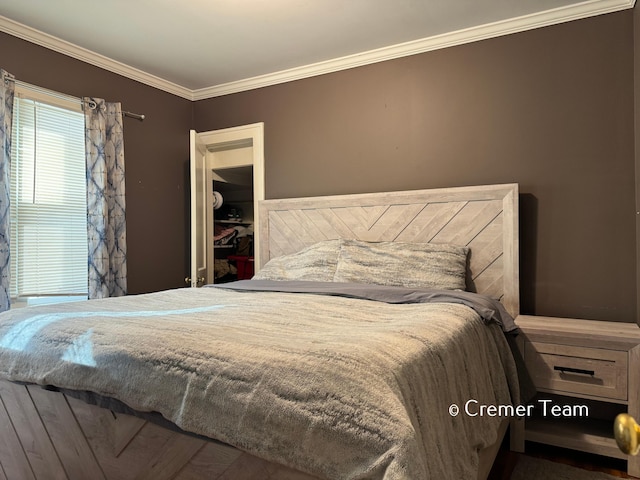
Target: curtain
(7, 88)
(105, 199)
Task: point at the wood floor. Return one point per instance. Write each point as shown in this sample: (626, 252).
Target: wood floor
(506, 461)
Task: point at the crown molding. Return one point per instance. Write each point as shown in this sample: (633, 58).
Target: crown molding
(555, 16)
(61, 46)
(506, 27)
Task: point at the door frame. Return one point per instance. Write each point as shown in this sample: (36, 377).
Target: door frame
(240, 135)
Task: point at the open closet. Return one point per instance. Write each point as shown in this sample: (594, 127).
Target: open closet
(227, 182)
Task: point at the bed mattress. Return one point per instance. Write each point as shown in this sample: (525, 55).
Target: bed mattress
(335, 385)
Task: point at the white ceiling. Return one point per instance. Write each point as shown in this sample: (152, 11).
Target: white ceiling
(204, 48)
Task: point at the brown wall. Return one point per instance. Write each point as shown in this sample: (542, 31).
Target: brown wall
(551, 109)
(636, 89)
(156, 151)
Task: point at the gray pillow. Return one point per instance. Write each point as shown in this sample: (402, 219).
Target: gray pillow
(412, 265)
(316, 263)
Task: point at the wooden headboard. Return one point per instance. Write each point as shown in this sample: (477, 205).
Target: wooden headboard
(483, 218)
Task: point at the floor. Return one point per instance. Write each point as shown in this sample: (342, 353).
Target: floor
(506, 461)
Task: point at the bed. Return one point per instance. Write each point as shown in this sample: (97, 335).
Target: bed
(291, 375)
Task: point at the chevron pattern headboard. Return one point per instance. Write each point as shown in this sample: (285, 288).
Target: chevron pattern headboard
(484, 218)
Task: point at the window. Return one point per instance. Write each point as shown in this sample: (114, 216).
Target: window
(48, 199)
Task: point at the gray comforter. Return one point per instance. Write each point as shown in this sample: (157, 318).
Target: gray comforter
(335, 386)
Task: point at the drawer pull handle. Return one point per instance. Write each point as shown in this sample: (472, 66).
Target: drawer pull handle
(574, 370)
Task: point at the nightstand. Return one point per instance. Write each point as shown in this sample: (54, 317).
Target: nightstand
(585, 372)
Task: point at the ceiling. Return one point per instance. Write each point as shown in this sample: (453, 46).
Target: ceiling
(205, 48)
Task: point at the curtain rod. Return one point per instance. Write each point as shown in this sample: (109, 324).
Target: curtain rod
(137, 116)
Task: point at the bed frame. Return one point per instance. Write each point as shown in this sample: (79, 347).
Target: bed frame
(46, 434)
(483, 218)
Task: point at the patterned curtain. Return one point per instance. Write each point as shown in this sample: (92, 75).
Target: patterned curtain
(7, 88)
(105, 199)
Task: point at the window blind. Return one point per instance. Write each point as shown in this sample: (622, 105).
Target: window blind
(48, 201)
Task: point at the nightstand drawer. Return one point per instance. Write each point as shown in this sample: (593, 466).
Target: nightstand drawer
(581, 370)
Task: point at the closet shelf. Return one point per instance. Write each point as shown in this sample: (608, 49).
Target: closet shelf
(233, 222)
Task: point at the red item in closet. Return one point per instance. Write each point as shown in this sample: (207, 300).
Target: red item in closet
(244, 264)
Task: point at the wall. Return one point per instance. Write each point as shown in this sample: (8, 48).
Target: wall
(551, 109)
(156, 151)
(636, 89)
